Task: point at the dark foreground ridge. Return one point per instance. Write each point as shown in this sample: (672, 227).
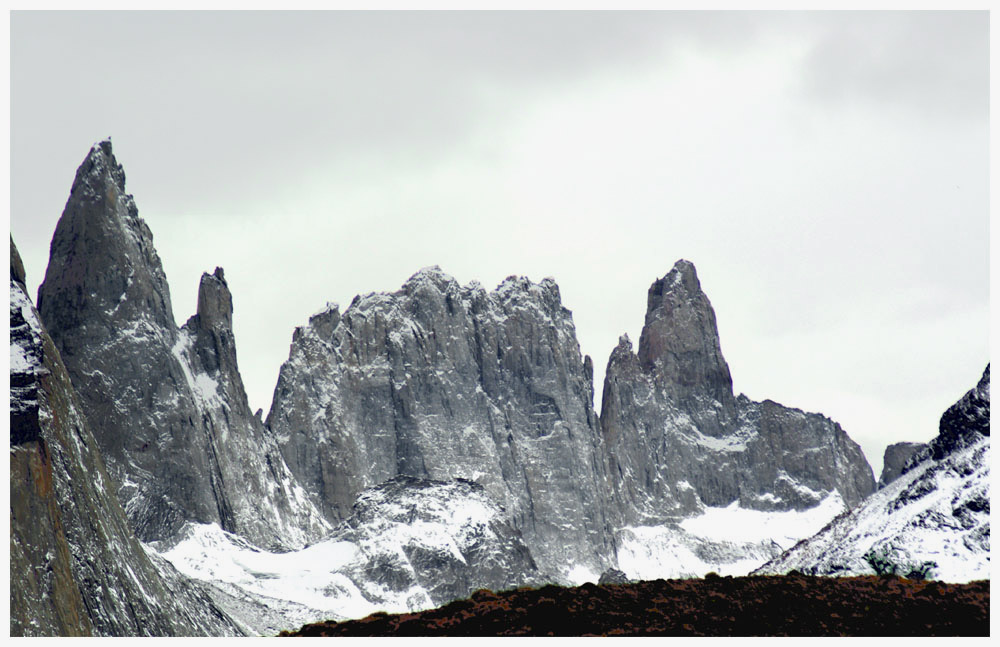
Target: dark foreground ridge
(790, 605)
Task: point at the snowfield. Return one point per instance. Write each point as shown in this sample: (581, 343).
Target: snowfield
(312, 577)
(727, 541)
(411, 544)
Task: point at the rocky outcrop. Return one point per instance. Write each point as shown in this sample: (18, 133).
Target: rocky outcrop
(896, 456)
(75, 566)
(678, 440)
(174, 424)
(679, 350)
(440, 381)
(932, 522)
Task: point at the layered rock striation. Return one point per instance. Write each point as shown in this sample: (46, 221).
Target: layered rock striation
(171, 415)
(440, 381)
(678, 440)
(76, 568)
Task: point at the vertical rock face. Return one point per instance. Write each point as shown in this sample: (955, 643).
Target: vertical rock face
(933, 521)
(439, 381)
(678, 440)
(75, 566)
(171, 414)
(679, 348)
(895, 458)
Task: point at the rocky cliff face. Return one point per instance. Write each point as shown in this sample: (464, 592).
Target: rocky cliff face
(896, 456)
(933, 521)
(440, 381)
(173, 421)
(75, 566)
(678, 440)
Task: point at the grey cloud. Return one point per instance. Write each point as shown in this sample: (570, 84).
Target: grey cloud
(312, 88)
(935, 63)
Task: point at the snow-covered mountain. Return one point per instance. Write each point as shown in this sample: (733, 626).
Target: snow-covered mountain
(681, 447)
(421, 445)
(933, 521)
(442, 381)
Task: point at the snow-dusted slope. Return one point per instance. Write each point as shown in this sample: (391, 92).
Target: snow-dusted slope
(411, 544)
(728, 541)
(933, 521)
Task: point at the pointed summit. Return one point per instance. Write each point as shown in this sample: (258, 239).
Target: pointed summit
(678, 441)
(679, 343)
(103, 271)
(174, 425)
(215, 302)
(75, 565)
(99, 172)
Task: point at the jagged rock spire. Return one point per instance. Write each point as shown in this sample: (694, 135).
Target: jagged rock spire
(678, 440)
(679, 343)
(215, 302)
(103, 271)
(175, 427)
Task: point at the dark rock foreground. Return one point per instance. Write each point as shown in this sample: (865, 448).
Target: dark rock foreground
(792, 605)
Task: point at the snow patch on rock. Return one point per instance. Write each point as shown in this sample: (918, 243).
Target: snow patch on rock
(730, 541)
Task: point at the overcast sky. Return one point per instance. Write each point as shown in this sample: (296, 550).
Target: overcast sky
(827, 173)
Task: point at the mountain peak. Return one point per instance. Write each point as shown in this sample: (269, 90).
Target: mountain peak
(681, 282)
(432, 273)
(100, 176)
(215, 302)
(679, 343)
(103, 271)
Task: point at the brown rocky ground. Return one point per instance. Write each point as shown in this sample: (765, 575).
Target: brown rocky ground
(790, 605)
